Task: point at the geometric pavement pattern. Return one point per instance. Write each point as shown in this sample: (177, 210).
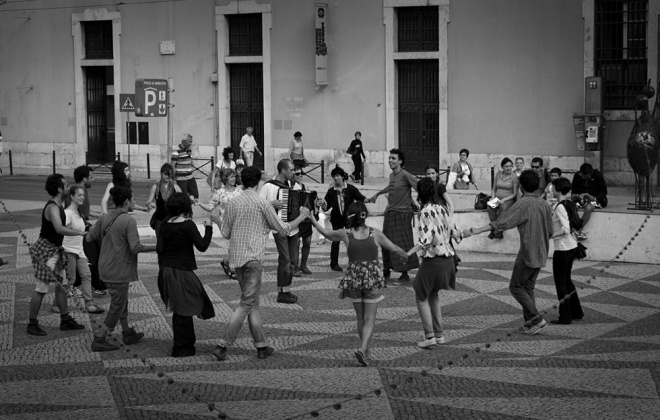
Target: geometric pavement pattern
(604, 366)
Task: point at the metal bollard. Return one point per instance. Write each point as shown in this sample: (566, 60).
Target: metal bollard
(11, 164)
(322, 171)
(148, 167)
(53, 162)
(362, 172)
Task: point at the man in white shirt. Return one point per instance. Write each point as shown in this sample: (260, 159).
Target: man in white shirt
(287, 246)
(248, 145)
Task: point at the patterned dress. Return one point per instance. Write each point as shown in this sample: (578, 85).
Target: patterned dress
(364, 270)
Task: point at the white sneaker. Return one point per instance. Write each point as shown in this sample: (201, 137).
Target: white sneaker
(426, 343)
(440, 340)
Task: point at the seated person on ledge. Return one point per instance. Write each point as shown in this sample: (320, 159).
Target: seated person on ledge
(589, 192)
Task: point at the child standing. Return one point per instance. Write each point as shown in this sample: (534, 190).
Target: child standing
(364, 280)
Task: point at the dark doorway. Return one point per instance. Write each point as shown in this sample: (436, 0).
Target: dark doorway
(418, 113)
(100, 115)
(247, 105)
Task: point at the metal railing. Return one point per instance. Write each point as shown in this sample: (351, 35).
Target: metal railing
(313, 166)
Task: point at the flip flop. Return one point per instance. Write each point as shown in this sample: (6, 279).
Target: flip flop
(361, 358)
(225, 266)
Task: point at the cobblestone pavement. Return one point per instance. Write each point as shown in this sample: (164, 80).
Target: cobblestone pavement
(604, 366)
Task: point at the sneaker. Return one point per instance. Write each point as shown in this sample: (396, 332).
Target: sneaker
(220, 353)
(440, 340)
(70, 324)
(287, 297)
(77, 292)
(427, 343)
(581, 235)
(306, 270)
(35, 329)
(297, 273)
(98, 292)
(535, 329)
(101, 344)
(336, 268)
(404, 279)
(263, 352)
(93, 309)
(131, 336)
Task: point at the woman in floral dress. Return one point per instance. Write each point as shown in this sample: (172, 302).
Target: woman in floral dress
(364, 282)
(219, 201)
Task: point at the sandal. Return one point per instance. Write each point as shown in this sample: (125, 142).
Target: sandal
(93, 309)
(225, 266)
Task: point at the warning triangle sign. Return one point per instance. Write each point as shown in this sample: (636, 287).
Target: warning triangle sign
(128, 105)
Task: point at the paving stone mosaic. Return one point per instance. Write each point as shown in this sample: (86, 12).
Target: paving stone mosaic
(606, 365)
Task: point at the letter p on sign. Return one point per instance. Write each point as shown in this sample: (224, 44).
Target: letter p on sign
(151, 97)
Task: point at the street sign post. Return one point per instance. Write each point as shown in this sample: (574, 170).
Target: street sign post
(127, 101)
(151, 97)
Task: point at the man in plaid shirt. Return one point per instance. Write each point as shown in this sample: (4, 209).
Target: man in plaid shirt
(246, 223)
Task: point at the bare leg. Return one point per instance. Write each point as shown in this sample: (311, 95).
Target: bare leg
(35, 304)
(368, 326)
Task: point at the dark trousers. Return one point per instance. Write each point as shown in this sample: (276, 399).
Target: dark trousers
(523, 281)
(189, 187)
(562, 264)
(287, 250)
(357, 162)
(334, 247)
(184, 335)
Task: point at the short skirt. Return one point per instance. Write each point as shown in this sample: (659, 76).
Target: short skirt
(183, 293)
(434, 274)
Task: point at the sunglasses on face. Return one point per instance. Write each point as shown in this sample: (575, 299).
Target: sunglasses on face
(297, 173)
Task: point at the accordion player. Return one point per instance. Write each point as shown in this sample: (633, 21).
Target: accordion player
(293, 200)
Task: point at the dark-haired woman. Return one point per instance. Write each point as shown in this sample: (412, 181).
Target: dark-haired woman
(160, 192)
(564, 255)
(121, 177)
(227, 162)
(433, 172)
(436, 229)
(338, 199)
(461, 174)
(364, 280)
(356, 151)
(179, 287)
(505, 189)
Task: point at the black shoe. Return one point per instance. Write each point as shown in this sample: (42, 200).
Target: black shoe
(220, 353)
(184, 352)
(131, 336)
(35, 329)
(404, 279)
(263, 352)
(306, 270)
(559, 321)
(491, 235)
(101, 344)
(336, 268)
(70, 324)
(287, 297)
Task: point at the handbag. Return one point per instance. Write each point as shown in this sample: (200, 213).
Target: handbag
(92, 249)
(481, 201)
(581, 251)
(460, 184)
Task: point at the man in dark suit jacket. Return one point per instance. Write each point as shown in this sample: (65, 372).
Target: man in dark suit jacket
(338, 198)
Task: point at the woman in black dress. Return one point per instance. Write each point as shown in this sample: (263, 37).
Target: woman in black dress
(357, 154)
(159, 194)
(179, 287)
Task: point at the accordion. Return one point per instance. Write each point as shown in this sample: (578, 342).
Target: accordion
(293, 200)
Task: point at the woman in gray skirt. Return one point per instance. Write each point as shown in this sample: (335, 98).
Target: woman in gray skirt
(437, 272)
(179, 286)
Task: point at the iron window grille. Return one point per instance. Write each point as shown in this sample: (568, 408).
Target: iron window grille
(621, 50)
(98, 39)
(417, 28)
(245, 34)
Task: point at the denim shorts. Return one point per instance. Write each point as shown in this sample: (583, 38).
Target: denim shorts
(374, 295)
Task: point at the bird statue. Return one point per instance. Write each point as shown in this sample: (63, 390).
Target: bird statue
(643, 146)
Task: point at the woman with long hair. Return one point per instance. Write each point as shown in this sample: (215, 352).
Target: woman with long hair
(505, 189)
(160, 192)
(221, 197)
(442, 198)
(364, 282)
(227, 162)
(179, 286)
(121, 177)
(73, 246)
(436, 229)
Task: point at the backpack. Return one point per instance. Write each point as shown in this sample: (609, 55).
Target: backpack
(573, 217)
(92, 249)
